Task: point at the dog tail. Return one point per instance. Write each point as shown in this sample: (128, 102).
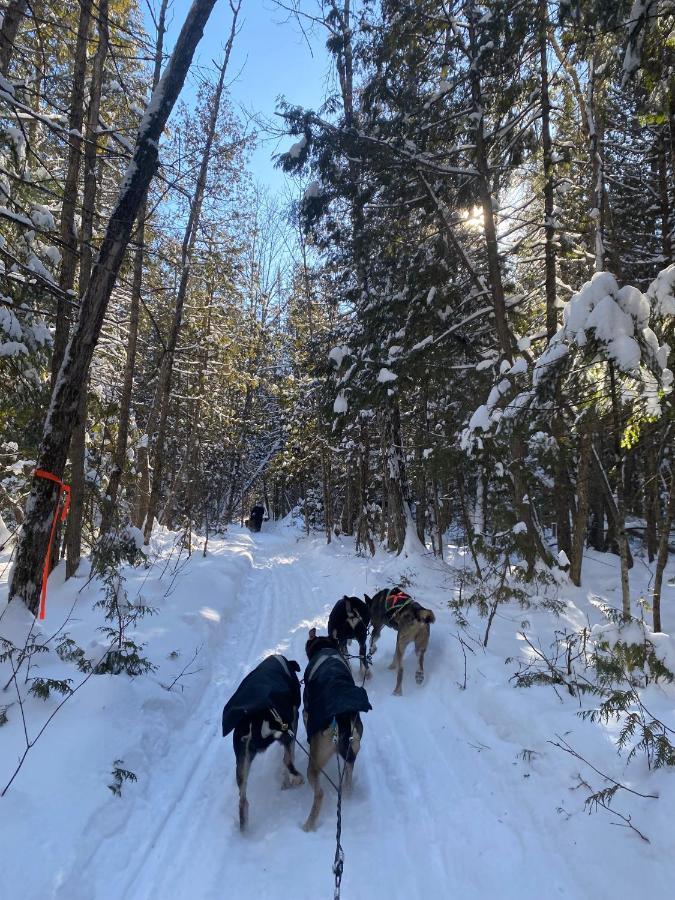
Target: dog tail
(426, 615)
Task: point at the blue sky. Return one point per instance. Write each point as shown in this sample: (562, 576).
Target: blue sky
(270, 58)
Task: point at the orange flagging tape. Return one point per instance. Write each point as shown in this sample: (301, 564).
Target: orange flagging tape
(62, 503)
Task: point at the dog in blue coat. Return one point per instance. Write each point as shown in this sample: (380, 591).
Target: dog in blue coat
(331, 706)
(262, 710)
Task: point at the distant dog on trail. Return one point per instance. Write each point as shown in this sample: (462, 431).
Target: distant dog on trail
(332, 703)
(264, 709)
(410, 619)
(348, 621)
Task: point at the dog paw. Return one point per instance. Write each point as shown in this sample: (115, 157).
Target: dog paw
(398, 692)
(419, 677)
(308, 827)
(292, 781)
(391, 666)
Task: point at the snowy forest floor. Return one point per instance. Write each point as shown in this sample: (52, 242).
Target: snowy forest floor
(457, 792)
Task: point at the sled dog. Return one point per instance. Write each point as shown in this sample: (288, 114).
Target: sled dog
(348, 621)
(395, 608)
(331, 707)
(262, 710)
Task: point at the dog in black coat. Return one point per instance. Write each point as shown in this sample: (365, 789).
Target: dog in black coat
(262, 710)
(348, 621)
(398, 610)
(331, 707)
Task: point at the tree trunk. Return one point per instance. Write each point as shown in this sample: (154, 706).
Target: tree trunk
(651, 493)
(620, 499)
(327, 494)
(662, 559)
(666, 228)
(485, 193)
(67, 228)
(393, 480)
(364, 531)
(78, 441)
(581, 515)
(10, 28)
(120, 452)
(70, 383)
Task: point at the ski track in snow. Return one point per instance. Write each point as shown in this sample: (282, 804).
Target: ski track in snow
(444, 804)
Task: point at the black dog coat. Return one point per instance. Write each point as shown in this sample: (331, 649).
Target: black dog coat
(272, 684)
(330, 691)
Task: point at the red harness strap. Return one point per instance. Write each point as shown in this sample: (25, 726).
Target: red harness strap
(400, 598)
(62, 505)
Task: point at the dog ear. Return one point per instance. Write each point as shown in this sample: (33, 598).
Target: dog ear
(293, 665)
(367, 599)
(312, 634)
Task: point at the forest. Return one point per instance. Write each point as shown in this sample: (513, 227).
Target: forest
(452, 327)
(462, 316)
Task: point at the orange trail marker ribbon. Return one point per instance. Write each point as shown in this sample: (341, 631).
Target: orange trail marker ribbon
(62, 506)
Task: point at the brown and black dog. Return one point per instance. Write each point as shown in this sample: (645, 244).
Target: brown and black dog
(410, 619)
(331, 707)
(262, 710)
(348, 621)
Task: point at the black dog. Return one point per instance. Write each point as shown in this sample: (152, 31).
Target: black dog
(332, 703)
(264, 709)
(348, 621)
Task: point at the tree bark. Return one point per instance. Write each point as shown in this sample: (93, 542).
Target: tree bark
(662, 559)
(10, 28)
(581, 515)
(68, 234)
(620, 499)
(78, 441)
(651, 493)
(70, 383)
(664, 200)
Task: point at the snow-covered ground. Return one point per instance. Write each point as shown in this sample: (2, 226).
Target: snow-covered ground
(457, 792)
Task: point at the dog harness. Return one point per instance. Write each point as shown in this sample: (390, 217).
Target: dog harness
(395, 602)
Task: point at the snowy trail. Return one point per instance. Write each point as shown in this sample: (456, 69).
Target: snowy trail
(444, 802)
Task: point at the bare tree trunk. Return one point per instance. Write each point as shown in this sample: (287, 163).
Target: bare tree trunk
(327, 494)
(581, 516)
(364, 535)
(620, 499)
(651, 492)
(662, 559)
(10, 28)
(70, 383)
(666, 227)
(120, 452)
(67, 228)
(189, 240)
(561, 497)
(468, 524)
(485, 192)
(393, 480)
(77, 445)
